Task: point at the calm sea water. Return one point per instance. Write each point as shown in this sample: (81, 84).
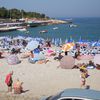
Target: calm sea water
(88, 29)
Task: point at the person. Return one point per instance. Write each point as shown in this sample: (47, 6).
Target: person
(59, 57)
(90, 65)
(66, 53)
(13, 59)
(31, 54)
(18, 87)
(48, 44)
(9, 81)
(83, 78)
(0, 54)
(31, 58)
(98, 66)
(77, 53)
(84, 68)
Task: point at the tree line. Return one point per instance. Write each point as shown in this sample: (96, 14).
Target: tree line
(17, 14)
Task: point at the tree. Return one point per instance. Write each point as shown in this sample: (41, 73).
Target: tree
(17, 14)
(3, 12)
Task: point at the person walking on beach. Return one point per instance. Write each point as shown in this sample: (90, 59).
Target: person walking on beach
(83, 78)
(84, 75)
(9, 81)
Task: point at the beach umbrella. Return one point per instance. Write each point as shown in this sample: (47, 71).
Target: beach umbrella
(66, 41)
(67, 46)
(70, 40)
(8, 39)
(67, 62)
(32, 45)
(53, 41)
(18, 38)
(60, 40)
(29, 39)
(97, 59)
(3, 37)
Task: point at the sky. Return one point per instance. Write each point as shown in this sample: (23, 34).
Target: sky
(57, 8)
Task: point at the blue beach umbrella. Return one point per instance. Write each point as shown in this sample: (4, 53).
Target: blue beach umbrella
(70, 40)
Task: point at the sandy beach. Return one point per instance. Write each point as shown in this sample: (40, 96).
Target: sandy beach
(46, 79)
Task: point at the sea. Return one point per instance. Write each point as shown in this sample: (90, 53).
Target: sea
(88, 29)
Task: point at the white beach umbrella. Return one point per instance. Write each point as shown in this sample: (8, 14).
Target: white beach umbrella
(32, 45)
(19, 37)
(8, 39)
(3, 37)
(28, 38)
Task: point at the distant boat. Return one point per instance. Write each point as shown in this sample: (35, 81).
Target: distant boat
(55, 28)
(69, 20)
(5, 29)
(22, 29)
(43, 31)
(73, 25)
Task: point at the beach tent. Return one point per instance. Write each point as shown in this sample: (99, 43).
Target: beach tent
(97, 59)
(67, 62)
(32, 45)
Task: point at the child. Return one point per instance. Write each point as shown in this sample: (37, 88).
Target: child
(83, 78)
(9, 81)
(18, 87)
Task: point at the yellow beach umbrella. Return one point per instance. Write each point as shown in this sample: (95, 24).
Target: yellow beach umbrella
(68, 46)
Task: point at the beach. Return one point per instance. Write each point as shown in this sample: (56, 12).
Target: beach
(49, 47)
(46, 79)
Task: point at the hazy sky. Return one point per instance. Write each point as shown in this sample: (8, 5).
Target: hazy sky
(57, 8)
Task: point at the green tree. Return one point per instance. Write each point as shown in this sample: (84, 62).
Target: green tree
(16, 14)
(3, 12)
